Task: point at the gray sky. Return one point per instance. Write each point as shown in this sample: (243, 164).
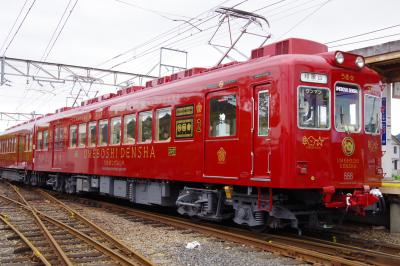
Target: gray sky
(99, 30)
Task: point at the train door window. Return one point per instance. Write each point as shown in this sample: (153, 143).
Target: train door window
(145, 126)
(163, 124)
(347, 108)
(313, 108)
(129, 129)
(82, 135)
(26, 142)
(92, 134)
(45, 140)
(103, 132)
(39, 140)
(115, 130)
(372, 109)
(263, 113)
(223, 116)
(30, 142)
(72, 136)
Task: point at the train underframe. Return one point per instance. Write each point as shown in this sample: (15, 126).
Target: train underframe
(255, 207)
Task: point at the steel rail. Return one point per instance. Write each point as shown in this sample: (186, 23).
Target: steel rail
(34, 249)
(287, 250)
(60, 253)
(390, 255)
(124, 260)
(127, 251)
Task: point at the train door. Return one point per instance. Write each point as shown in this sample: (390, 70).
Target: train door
(222, 159)
(261, 155)
(21, 148)
(57, 147)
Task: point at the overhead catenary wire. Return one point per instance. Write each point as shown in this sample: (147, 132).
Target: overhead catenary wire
(363, 34)
(185, 26)
(51, 45)
(366, 40)
(13, 26)
(19, 27)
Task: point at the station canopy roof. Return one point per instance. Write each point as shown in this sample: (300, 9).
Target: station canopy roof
(383, 58)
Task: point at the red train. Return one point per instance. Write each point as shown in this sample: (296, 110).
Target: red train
(279, 139)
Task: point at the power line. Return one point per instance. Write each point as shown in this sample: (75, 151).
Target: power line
(156, 12)
(62, 28)
(366, 40)
(19, 27)
(362, 34)
(305, 18)
(171, 31)
(49, 49)
(12, 28)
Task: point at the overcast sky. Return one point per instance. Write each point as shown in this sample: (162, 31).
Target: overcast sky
(122, 34)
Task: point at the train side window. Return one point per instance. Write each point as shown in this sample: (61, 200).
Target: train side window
(372, 109)
(223, 116)
(92, 134)
(115, 130)
(129, 129)
(263, 113)
(347, 108)
(39, 140)
(145, 126)
(313, 108)
(163, 124)
(72, 136)
(103, 132)
(45, 140)
(82, 135)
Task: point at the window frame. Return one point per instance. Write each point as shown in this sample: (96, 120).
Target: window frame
(156, 133)
(45, 145)
(70, 139)
(222, 93)
(79, 137)
(329, 109)
(135, 134)
(258, 113)
(39, 144)
(111, 134)
(359, 108)
(379, 118)
(99, 133)
(140, 130)
(88, 137)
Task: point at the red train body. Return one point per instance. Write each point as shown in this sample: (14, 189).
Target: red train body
(286, 134)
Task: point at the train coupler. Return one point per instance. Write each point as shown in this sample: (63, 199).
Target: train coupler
(356, 201)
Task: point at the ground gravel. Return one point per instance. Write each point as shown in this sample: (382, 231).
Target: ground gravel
(166, 245)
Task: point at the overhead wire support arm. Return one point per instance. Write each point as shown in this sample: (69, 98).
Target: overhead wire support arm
(251, 18)
(5, 116)
(61, 73)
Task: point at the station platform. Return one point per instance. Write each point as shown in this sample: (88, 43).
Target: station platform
(391, 190)
(390, 187)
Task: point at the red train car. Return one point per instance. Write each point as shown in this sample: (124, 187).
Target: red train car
(276, 140)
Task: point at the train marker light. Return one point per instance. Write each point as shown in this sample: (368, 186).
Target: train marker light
(360, 62)
(339, 57)
(314, 78)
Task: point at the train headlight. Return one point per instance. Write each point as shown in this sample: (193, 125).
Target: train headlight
(339, 57)
(360, 62)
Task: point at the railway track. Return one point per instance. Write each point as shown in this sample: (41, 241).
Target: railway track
(58, 235)
(311, 250)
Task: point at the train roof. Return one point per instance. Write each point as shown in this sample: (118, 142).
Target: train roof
(280, 53)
